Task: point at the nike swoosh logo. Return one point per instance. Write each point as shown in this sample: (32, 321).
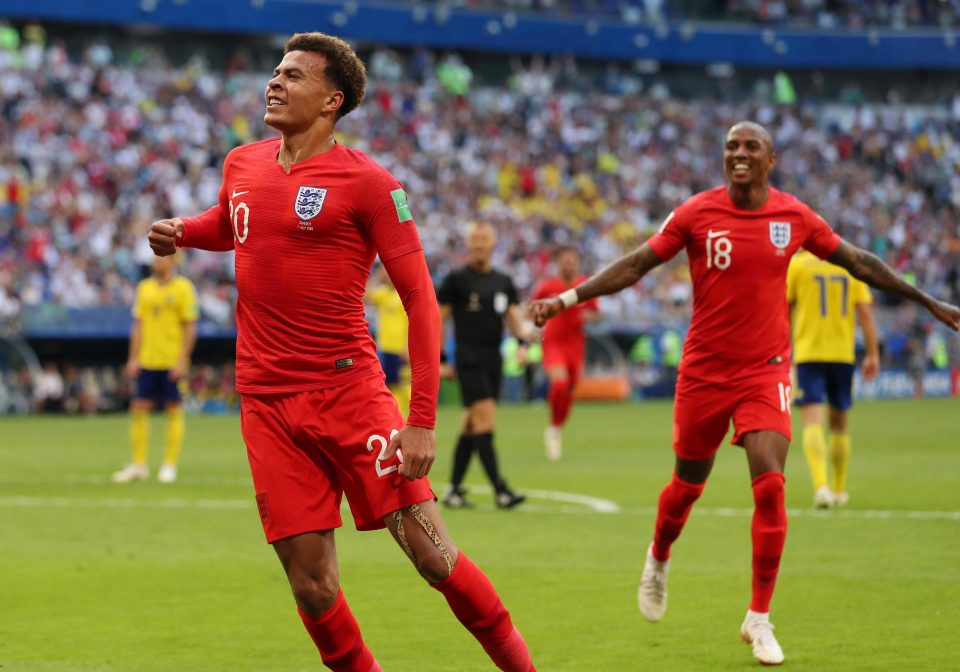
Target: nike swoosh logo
(239, 193)
(714, 234)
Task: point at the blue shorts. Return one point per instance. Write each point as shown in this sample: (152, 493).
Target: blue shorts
(391, 363)
(821, 382)
(156, 386)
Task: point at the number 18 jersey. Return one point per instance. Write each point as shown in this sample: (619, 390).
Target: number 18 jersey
(738, 262)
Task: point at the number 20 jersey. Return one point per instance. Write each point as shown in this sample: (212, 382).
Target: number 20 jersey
(738, 262)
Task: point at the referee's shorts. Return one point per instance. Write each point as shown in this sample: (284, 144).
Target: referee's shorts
(479, 375)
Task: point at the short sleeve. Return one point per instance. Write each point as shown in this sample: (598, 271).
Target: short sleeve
(672, 235)
(189, 308)
(821, 239)
(385, 212)
(861, 292)
(447, 294)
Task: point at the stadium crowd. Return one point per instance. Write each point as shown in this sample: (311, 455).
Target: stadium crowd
(94, 144)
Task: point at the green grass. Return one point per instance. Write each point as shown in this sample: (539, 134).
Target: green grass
(148, 578)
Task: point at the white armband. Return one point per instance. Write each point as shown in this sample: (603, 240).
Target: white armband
(569, 298)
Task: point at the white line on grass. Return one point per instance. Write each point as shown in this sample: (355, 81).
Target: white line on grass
(574, 504)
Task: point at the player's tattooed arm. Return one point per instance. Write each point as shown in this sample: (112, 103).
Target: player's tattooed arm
(620, 273)
(868, 267)
(617, 275)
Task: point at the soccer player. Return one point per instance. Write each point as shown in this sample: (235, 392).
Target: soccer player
(162, 337)
(391, 336)
(564, 344)
(824, 300)
(736, 360)
(480, 299)
(306, 216)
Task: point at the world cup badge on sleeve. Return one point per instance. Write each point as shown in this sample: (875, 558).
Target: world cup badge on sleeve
(780, 235)
(309, 202)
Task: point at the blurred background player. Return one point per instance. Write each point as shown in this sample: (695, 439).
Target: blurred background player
(736, 359)
(316, 417)
(391, 336)
(824, 301)
(564, 345)
(480, 298)
(162, 337)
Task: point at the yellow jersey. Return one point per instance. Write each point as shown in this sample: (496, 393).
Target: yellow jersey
(391, 320)
(163, 310)
(823, 297)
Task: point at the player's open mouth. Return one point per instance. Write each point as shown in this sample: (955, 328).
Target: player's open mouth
(274, 102)
(741, 168)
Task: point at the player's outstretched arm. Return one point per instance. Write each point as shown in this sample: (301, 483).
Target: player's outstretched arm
(621, 273)
(866, 266)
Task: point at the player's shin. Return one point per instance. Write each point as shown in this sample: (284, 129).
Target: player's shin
(560, 397)
(174, 437)
(475, 603)
(840, 457)
(673, 508)
(769, 532)
(337, 636)
(139, 434)
(814, 448)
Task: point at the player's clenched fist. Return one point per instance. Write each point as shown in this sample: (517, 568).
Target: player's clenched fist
(163, 236)
(543, 309)
(947, 313)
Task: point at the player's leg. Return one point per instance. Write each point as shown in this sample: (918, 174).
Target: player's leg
(420, 532)
(176, 427)
(558, 399)
(140, 406)
(811, 395)
(310, 562)
(767, 456)
(298, 495)
(483, 420)
(472, 388)
(840, 394)
(701, 419)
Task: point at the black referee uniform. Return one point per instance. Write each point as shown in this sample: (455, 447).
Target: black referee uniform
(479, 304)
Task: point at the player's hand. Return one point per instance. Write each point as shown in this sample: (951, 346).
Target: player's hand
(871, 367)
(543, 309)
(131, 369)
(177, 371)
(447, 372)
(946, 313)
(419, 446)
(523, 355)
(163, 236)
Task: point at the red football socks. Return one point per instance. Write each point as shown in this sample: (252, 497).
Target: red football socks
(673, 507)
(337, 636)
(560, 397)
(475, 603)
(769, 531)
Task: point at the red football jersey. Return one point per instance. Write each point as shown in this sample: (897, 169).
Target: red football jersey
(738, 262)
(304, 246)
(566, 326)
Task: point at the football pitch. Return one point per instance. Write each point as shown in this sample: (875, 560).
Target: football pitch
(97, 577)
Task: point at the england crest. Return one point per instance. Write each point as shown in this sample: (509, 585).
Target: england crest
(309, 202)
(780, 234)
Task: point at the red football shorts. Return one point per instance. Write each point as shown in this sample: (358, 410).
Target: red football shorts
(306, 449)
(702, 411)
(566, 356)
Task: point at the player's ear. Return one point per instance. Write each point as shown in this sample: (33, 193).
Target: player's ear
(334, 101)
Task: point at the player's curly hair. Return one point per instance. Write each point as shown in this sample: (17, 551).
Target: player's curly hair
(344, 68)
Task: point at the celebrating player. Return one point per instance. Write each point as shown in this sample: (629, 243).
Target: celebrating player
(480, 299)
(306, 216)
(162, 337)
(564, 343)
(739, 239)
(824, 299)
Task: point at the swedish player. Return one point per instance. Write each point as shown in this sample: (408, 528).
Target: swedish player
(391, 334)
(826, 302)
(162, 337)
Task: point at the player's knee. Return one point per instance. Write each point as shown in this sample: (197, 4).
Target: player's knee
(768, 490)
(315, 593)
(432, 565)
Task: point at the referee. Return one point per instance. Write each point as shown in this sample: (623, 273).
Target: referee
(480, 298)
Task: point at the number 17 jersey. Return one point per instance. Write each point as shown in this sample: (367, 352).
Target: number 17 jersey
(738, 262)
